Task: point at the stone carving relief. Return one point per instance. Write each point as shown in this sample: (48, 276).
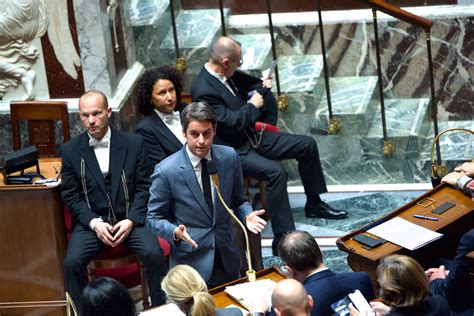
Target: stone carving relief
(20, 23)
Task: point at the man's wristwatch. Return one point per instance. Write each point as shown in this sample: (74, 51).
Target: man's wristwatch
(256, 314)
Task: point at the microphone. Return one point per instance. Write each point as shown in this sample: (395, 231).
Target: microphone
(212, 169)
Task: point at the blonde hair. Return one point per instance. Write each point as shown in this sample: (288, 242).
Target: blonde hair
(402, 281)
(185, 287)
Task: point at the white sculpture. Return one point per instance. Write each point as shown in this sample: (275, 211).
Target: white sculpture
(21, 21)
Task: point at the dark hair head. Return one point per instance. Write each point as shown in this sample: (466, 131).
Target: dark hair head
(105, 296)
(402, 281)
(96, 92)
(147, 81)
(299, 250)
(198, 111)
(224, 47)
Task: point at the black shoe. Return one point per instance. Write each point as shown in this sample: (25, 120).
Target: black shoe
(275, 242)
(323, 210)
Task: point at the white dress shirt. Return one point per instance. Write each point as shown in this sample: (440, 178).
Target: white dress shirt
(102, 151)
(102, 154)
(196, 163)
(173, 122)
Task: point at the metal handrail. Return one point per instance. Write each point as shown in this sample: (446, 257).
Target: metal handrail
(274, 54)
(221, 9)
(175, 32)
(400, 14)
(426, 25)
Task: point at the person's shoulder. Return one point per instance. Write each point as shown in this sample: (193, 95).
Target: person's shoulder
(467, 240)
(72, 144)
(435, 305)
(169, 163)
(200, 76)
(131, 138)
(225, 150)
(145, 122)
(361, 277)
(201, 82)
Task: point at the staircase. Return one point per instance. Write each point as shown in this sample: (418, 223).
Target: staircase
(354, 154)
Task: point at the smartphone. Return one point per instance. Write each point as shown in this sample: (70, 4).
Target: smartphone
(360, 302)
(443, 208)
(341, 307)
(368, 241)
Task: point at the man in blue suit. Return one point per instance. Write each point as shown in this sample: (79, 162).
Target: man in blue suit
(184, 209)
(302, 257)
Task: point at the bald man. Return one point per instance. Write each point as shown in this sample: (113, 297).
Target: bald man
(240, 101)
(290, 298)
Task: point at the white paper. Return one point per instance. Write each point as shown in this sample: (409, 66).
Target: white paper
(248, 292)
(404, 233)
(163, 310)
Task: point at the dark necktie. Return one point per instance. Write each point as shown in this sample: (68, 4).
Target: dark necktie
(232, 86)
(206, 184)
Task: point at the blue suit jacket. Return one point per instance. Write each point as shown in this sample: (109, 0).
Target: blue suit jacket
(176, 198)
(327, 287)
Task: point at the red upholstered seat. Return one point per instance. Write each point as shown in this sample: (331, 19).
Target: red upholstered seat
(119, 263)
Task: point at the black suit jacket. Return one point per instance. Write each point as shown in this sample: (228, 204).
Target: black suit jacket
(127, 154)
(234, 115)
(456, 287)
(431, 306)
(159, 140)
(327, 287)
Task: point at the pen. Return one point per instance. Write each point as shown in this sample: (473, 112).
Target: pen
(425, 217)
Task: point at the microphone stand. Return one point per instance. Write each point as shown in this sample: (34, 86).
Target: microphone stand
(251, 274)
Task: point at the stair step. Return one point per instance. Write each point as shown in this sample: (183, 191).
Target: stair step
(196, 29)
(455, 147)
(150, 21)
(141, 13)
(405, 121)
(256, 52)
(299, 75)
(353, 100)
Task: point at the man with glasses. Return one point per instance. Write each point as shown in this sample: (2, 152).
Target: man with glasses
(105, 182)
(303, 261)
(241, 101)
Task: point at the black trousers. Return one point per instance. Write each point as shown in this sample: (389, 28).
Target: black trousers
(84, 245)
(262, 163)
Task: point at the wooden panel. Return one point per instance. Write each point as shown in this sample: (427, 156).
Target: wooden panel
(32, 244)
(41, 117)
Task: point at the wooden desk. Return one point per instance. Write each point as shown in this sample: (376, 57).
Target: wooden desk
(223, 299)
(453, 224)
(32, 247)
